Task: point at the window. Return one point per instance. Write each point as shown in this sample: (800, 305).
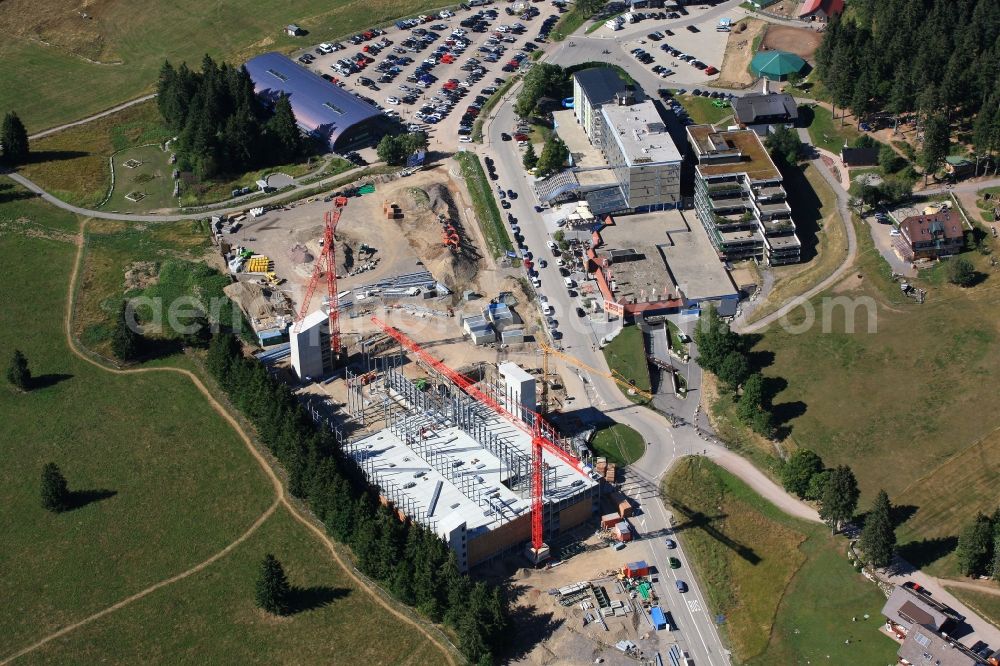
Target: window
(278, 75)
(923, 640)
(333, 107)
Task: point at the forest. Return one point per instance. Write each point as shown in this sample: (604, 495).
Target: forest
(410, 561)
(918, 56)
(222, 127)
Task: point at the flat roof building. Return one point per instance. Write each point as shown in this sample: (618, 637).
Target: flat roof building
(739, 197)
(593, 88)
(640, 151)
(322, 110)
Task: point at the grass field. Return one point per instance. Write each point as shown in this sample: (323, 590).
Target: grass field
(485, 205)
(828, 132)
(116, 53)
(568, 24)
(113, 248)
(73, 164)
(180, 484)
(626, 355)
(765, 571)
(211, 618)
(986, 605)
(910, 397)
(153, 179)
(824, 239)
(702, 110)
(163, 484)
(619, 443)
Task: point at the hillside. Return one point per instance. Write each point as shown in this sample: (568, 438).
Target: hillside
(66, 60)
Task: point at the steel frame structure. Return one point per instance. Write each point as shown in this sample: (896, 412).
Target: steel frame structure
(543, 435)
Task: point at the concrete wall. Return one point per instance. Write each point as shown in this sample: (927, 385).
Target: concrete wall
(494, 542)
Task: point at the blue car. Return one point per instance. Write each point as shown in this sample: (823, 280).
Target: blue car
(681, 586)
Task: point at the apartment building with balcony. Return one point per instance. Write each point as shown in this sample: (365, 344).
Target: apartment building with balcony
(739, 197)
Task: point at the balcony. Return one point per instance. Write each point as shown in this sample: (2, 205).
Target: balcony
(769, 193)
(729, 203)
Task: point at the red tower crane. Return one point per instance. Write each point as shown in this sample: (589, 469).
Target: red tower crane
(326, 262)
(542, 434)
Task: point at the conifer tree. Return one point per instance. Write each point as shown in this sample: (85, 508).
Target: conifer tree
(14, 139)
(55, 492)
(273, 593)
(18, 373)
(878, 538)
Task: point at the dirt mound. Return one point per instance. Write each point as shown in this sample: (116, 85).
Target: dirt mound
(300, 254)
(430, 226)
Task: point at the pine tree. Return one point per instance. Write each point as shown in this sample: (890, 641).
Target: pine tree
(273, 593)
(55, 492)
(18, 373)
(530, 159)
(840, 497)
(936, 142)
(285, 131)
(878, 538)
(125, 341)
(975, 546)
(14, 139)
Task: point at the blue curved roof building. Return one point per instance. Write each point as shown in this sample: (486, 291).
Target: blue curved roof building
(321, 108)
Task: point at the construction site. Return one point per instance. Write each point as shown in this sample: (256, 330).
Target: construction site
(408, 244)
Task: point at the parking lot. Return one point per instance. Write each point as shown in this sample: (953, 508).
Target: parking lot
(435, 72)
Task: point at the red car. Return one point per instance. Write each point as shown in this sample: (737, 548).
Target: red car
(711, 70)
(520, 137)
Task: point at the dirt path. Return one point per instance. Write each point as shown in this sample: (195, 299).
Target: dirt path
(281, 497)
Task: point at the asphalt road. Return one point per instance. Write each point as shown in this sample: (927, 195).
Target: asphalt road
(697, 632)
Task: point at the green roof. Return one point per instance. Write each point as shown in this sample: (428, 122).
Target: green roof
(776, 64)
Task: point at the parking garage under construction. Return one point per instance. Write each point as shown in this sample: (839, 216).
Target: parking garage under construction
(442, 456)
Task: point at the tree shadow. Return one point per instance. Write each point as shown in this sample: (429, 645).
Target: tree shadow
(39, 156)
(771, 387)
(9, 193)
(927, 551)
(51, 379)
(806, 112)
(899, 514)
(80, 498)
(783, 414)
(304, 599)
(758, 360)
(532, 628)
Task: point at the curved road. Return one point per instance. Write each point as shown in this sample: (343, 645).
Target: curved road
(231, 206)
(666, 443)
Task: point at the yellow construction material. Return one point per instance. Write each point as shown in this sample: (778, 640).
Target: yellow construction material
(259, 264)
(613, 376)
